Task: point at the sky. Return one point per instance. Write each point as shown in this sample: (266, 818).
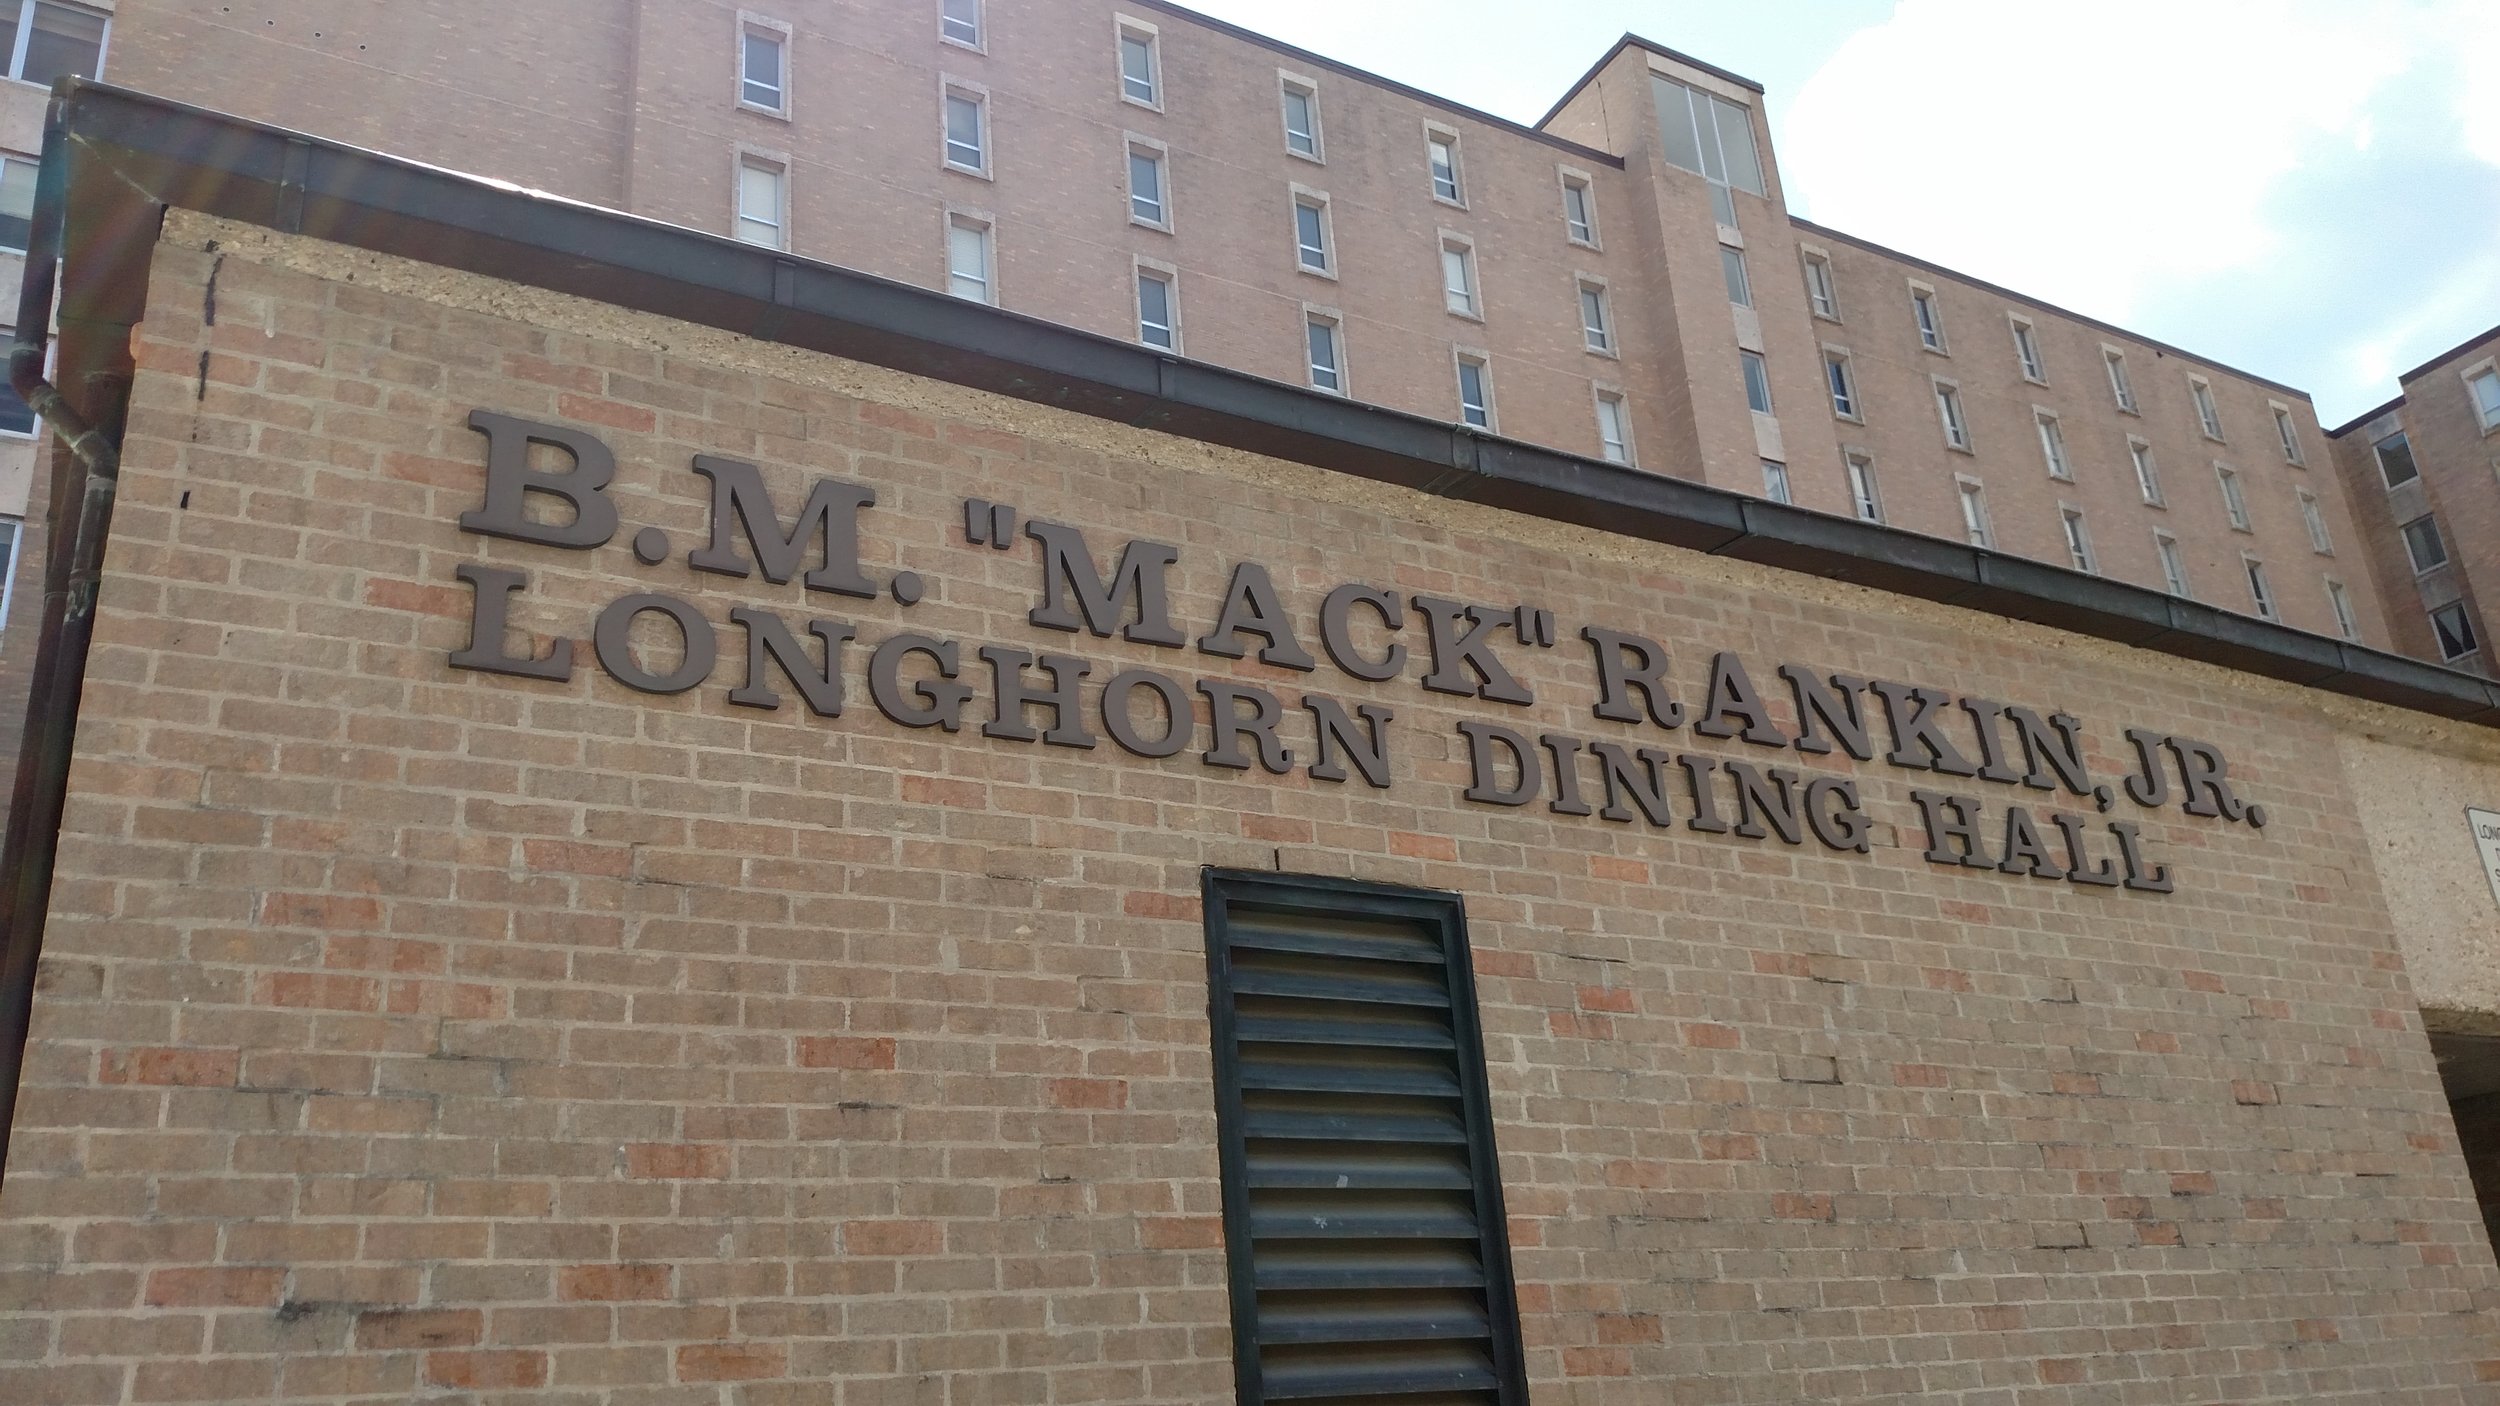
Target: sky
(2304, 189)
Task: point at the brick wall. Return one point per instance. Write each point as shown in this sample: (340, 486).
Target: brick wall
(408, 1032)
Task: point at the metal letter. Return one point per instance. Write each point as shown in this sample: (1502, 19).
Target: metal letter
(490, 620)
(612, 640)
(510, 480)
(739, 499)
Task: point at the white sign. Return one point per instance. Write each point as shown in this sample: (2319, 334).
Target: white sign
(2487, 835)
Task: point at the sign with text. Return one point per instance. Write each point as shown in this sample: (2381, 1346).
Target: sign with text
(2054, 821)
(2486, 825)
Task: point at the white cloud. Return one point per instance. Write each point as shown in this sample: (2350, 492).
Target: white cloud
(2099, 155)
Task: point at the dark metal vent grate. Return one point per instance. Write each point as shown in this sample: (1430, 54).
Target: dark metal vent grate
(1362, 1207)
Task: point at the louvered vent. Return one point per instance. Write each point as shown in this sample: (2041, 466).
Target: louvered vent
(1362, 1204)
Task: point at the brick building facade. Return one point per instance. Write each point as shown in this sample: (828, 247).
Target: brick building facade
(535, 920)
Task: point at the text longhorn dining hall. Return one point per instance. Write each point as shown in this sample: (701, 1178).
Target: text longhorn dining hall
(611, 815)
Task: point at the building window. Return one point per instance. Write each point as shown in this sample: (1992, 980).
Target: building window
(2395, 460)
(2119, 386)
(1844, 385)
(1820, 295)
(960, 22)
(1710, 135)
(2424, 544)
(17, 418)
(1732, 266)
(2339, 601)
(1458, 277)
(967, 131)
(2260, 591)
(2232, 502)
(47, 41)
(1302, 118)
(1310, 228)
(1863, 497)
(1141, 67)
(1475, 391)
(12, 532)
(2288, 434)
(2173, 567)
(1975, 514)
(763, 202)
(1596, 328)
(1147, 202)
(2455, 630)
(1949, 410)
(1757, 381)
(2147, 476)
(1579, 209)
(17, 203)
(1327, 353)
(1614, 427)
(2027, 353)
(2078, 540)
(970, 251)
(2208, 418)
(1775, 481)
(2316, 523)
(1158, 310)
(1930, 321)
(1355, 1137)
(1441, 151)
(2053, 447)
(2486, 388)
(763, 67)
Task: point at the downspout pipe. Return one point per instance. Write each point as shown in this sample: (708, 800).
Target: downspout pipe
(86, 475)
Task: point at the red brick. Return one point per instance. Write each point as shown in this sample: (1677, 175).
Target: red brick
(394, 1330)
(731, 1362)
(846, 1052)
(677, 1161)
(217, 1287)
(893, 1237)
(509, 1370)
(196, 1068)
(607, 1282)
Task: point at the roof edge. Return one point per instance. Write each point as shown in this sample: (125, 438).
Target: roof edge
(1634, 41)
(2044, 305)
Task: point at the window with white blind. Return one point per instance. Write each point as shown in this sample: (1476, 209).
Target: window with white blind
(1864, 498)
(1614, 427)
(969, 255)
(1458, 277)
(763, 202)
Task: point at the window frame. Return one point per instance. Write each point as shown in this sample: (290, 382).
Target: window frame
(1738, 278)
(2476, 376)
(8, 567)
(2078, 537)
(1305, 198)
(2054, 450)
(16, 59)
(2438, 540)
(1606, 396)
(1123, 29)
(1462, 358)
(1755, 368)
(1866, 490)
(1143, 271)
(979, 43)
(1952, 417)
(1927, 317)
(743, 159)
(2287, 433)
(2339, 606)
(2121, 380)
(2173, 563)
(951, 89)
(1159, 155)
(2313, 517)
(34, 422)
(1223, 894)
(2027, 355)
(1567, 180)
(750, 24)
(954, 217)
(1289, 85)
(1823, 301)
(1840, 382)
(1775, 482)
(33, 173)
(1978, 524)
(2208, 409)
(2234, 497)
(2465, 618)
(1439, 134)
(2378, 453)
(2260, 587)
(1454, 243)
(1600, 338)
(2147, 468)
(1314, 316)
